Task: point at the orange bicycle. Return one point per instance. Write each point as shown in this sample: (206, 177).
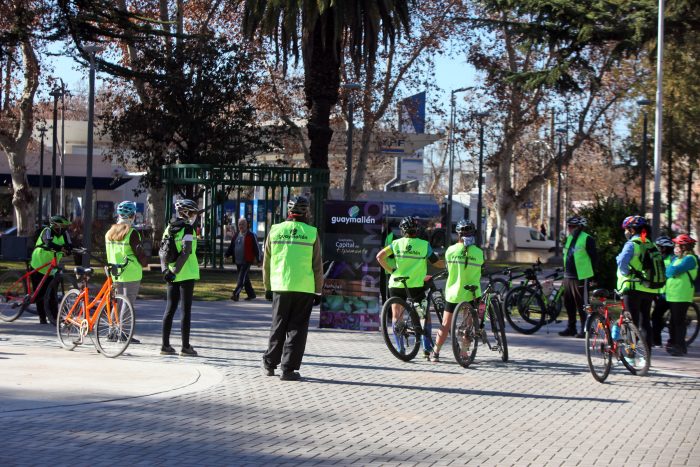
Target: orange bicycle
(109, 316)
(17, 292)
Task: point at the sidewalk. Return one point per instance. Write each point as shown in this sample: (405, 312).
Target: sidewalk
(357, 405)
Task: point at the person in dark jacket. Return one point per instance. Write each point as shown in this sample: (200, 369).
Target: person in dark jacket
(245, 252)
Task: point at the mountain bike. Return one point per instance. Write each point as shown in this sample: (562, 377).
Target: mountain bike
(625, 343)
(468, 326)
(692, 321)
(403, 336)
(17, 292)
(109, 316)
(529, 307)
(502, 286)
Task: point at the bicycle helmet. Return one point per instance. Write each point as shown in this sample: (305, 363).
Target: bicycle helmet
(126, 209)
(409, 225)
(298, 206)
(187, 206)
(684, 239)
(634, 222)
(577, 221)
(465, 228)
(664, 241)
(59, 223)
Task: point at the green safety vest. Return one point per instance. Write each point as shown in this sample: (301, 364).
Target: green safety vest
(291, 257)
(636, 264)
(463, 268)
(118, 251)
(411, 256)
(40, 256)
(584, 267)
(190, 270)
(390, 238)
(681, 288)
(667, 263)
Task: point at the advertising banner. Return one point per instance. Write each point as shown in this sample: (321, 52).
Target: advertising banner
(351, 290)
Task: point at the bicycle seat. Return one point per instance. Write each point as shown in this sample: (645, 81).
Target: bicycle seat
(601, 293)
(471, 288)
(81, 271)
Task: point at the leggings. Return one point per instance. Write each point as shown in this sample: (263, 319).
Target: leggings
(677, 326)
(639, 305)
(177, 290)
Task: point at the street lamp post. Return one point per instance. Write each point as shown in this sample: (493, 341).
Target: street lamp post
(643, 202)
(557, 227)
(658, 123)
(56, 93)
(63, 147)
(451, 143)
(87, 205)
(479, 203)
(348, 151)
(42, 132)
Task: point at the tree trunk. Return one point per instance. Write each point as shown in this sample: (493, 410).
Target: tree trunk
(156, 210)
(506, 208)
(361, 166)
(321, 84)
(22, 195)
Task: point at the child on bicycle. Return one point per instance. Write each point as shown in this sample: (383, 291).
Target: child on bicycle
(411, 255)
(53, 240)
(680, 290)
(464, 261)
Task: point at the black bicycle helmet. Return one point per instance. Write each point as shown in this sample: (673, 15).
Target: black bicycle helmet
(465, 228)
(298, 206)
(577, 221)
(59, 222)
(664, 241)
(409, 225)
(186, 206)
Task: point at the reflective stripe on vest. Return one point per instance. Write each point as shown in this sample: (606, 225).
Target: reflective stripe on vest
(41, 256)
(411, 256)
(190, 270)
(463, 268)
(681, 288)
(118, 251)
(291, 257)
(584, 267)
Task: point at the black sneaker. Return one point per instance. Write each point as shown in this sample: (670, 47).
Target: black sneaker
(250, 297)
(135, 340)
(580, 335)
(568, 332)
(290, 376)
(234, 297)
(167, 350)
(188, 352)
(268, 371)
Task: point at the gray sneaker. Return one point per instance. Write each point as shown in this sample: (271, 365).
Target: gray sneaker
(434, 357)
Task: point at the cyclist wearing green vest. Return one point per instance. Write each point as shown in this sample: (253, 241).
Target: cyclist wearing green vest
(181, 275)
(665, 246)
(411, 255)
(464, 261)
(293, 278)
(53, 240)
(680, 290)
(123, 243)
(579, 258)
(637, 297)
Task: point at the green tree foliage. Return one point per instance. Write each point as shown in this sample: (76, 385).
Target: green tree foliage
(604, 219)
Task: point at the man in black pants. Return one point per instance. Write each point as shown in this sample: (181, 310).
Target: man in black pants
(293, 278)
(579, 258)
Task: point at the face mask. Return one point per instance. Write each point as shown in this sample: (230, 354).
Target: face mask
(468, 241)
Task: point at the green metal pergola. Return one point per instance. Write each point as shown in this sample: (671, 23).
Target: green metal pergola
(278, 183)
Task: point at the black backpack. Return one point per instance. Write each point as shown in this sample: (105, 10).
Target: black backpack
(696, 282)
(168, 249)
(653, 273)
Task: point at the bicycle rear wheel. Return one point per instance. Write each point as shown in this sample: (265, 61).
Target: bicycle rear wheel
(498, 327)
(400, 336)
(525, 310)
(115, 327)
(465, 334)
(692, 322)
(69, 319)
(14, 297)
(598, 347)
(633, 350)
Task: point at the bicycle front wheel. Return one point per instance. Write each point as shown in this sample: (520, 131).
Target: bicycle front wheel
(598, 347)
(465, 334)
(498, 327)
(69, 319)
(692, 321)
(13, 296)
(525, 310)
(633, 350)
(115, 327)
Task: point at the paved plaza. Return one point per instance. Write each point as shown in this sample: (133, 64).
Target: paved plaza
(357, 404)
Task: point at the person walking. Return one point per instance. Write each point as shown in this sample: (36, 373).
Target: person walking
(665, 246)
(180, 274)
(293, 278)
(123, 245)
(52, 240)
(680, 290)
(579, 258)
(464, 260)
(245, 252)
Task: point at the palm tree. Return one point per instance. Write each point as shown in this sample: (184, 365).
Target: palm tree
(317, 30)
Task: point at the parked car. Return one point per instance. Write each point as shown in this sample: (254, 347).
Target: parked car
(527, 238)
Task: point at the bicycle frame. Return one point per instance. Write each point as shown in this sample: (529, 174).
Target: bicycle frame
(614, 347)
(53, 264)
(103, 298)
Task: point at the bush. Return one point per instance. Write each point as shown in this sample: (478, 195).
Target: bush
(604, 219)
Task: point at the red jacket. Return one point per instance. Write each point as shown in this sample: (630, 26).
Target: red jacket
(251, 250)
